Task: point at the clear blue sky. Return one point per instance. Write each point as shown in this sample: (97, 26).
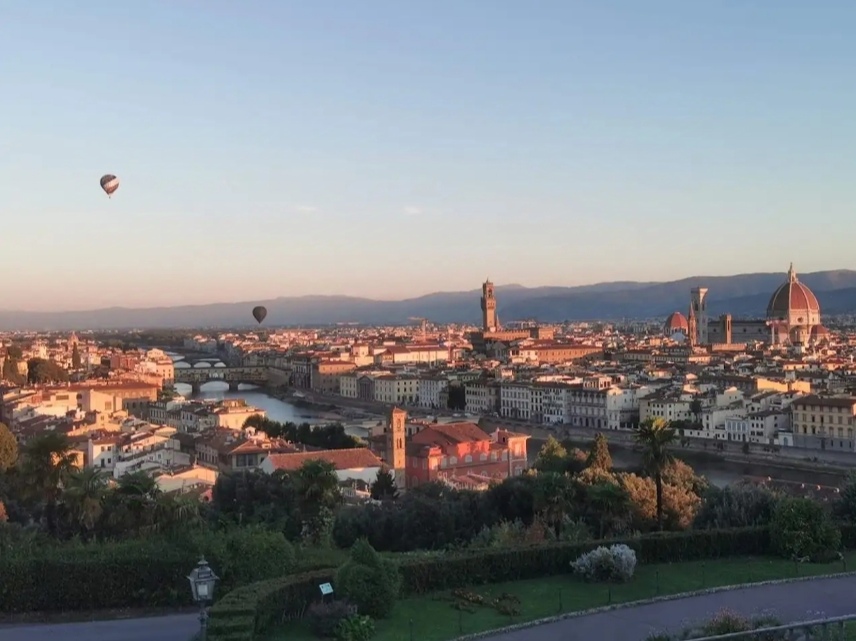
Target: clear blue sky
(388, 147)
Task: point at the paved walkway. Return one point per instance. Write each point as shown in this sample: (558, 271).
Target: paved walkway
(788, 602)
(176, 627)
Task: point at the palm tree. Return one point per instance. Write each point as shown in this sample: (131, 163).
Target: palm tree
(133, 505)
(84, 497)
(48, 463)
(319, 486)
(656, 436)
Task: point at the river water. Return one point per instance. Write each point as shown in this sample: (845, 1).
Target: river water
(275, 409)
(718, 473)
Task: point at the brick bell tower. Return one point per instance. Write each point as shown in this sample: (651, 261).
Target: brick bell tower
(488, 306)
(396, 445)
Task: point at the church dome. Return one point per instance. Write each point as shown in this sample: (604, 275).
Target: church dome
(676, 322)
(793, 300)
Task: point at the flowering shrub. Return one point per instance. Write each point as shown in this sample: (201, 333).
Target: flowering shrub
(615, 563)
(725, 622)
(355, 628)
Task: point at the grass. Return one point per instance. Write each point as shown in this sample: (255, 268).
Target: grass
(433, 617)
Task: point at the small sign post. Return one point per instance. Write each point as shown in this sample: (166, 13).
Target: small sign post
(326, 590)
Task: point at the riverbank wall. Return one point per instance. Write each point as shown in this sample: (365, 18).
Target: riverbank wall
(786, 459)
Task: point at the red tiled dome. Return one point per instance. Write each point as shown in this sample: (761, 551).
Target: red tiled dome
(792, 296)
(676, 322)
(819, 331)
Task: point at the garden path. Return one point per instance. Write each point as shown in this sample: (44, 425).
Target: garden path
(787, 602)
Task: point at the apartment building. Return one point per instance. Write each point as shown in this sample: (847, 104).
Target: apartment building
(824, 422)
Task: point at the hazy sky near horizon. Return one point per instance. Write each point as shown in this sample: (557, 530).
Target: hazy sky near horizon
(387, 148)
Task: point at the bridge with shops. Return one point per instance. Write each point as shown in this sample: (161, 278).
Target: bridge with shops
(196, 377)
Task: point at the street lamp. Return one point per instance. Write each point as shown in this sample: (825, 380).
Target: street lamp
(202, 582)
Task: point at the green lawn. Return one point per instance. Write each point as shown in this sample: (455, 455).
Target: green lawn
(434, 618)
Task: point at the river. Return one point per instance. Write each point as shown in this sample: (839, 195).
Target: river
(275, 409)
(718, 473)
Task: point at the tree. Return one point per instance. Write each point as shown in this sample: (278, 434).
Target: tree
(655, 436)
(369, 581)
(554, 495)
(741, 505)
(802, 528)
(556, 457)
(84, 497)
(8, 448)
(845, 506)
(10, 372)
(14, 352)
(608, 507)
(696, 409)
(598, 456)
(48, 463)
(384, 487)
(75, 357)
(318, 486)
(457, 398)
(40, 371)
(551, 457)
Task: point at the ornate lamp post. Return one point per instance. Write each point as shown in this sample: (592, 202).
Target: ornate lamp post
(202, 583)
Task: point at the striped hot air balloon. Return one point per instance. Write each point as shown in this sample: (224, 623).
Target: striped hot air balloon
(109, 183)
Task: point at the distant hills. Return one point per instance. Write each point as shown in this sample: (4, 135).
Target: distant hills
(744, 295)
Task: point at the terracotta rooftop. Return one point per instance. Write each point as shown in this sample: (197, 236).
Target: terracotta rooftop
(348, 459)
(450, 434)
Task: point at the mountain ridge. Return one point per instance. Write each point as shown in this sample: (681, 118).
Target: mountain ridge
(743, 295)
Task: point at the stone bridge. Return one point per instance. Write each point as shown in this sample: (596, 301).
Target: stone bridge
(234, 376)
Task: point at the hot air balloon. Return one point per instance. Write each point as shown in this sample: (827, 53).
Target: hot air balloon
(109, 183)
(259, 313)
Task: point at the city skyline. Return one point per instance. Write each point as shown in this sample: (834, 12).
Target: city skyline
(394, 150)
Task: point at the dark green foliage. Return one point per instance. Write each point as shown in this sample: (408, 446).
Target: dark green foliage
(457, 397)
(736, 506)
(10, 371)
(258, 606)
(369, 581)
(599, 457)
(243, 555)
(845, 506)
(8, 448)
(75, 357)
(324, 617)
(326, 437)
(42, 371)
(142, 573)
(384, 488)
(355, 628)
(428, 517)
(512, 564)
(254, 608)
(556, 457)
(803, 529)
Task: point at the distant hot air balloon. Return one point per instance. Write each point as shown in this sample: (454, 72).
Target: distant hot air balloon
(109, 183)
(259, 313)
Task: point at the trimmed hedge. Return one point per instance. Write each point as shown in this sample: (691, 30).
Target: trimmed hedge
(244, 612)
(129, 574)
(83, 579)
(247, 611)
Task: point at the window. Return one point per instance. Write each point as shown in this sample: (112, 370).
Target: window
(468, 459)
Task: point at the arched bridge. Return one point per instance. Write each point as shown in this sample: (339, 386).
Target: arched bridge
(197, 376)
